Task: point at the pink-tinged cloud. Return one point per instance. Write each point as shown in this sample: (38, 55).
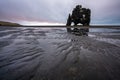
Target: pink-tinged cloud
(103, 11)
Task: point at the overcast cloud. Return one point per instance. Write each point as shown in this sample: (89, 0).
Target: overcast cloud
(103, 11)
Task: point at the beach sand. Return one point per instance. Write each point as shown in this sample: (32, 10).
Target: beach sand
(53, 54)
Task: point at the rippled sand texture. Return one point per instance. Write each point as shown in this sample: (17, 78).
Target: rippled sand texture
(54, 54)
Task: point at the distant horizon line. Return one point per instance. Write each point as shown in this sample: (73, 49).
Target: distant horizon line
(58, 24)
(64, 26)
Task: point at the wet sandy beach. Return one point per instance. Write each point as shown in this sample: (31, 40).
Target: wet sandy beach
(54, 54)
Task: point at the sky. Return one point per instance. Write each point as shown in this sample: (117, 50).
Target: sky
(56, 11)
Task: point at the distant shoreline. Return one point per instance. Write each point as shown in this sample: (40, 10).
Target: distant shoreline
(4, 23)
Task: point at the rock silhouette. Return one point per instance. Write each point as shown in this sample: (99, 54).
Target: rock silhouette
(79, 15)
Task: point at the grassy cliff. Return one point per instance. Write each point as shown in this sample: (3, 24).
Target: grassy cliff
(3, 23)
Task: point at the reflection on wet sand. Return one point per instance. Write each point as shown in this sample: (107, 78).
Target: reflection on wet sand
(54, 54)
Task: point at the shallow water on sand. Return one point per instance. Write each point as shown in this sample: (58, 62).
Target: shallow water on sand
(104, 30)
(53, 54)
